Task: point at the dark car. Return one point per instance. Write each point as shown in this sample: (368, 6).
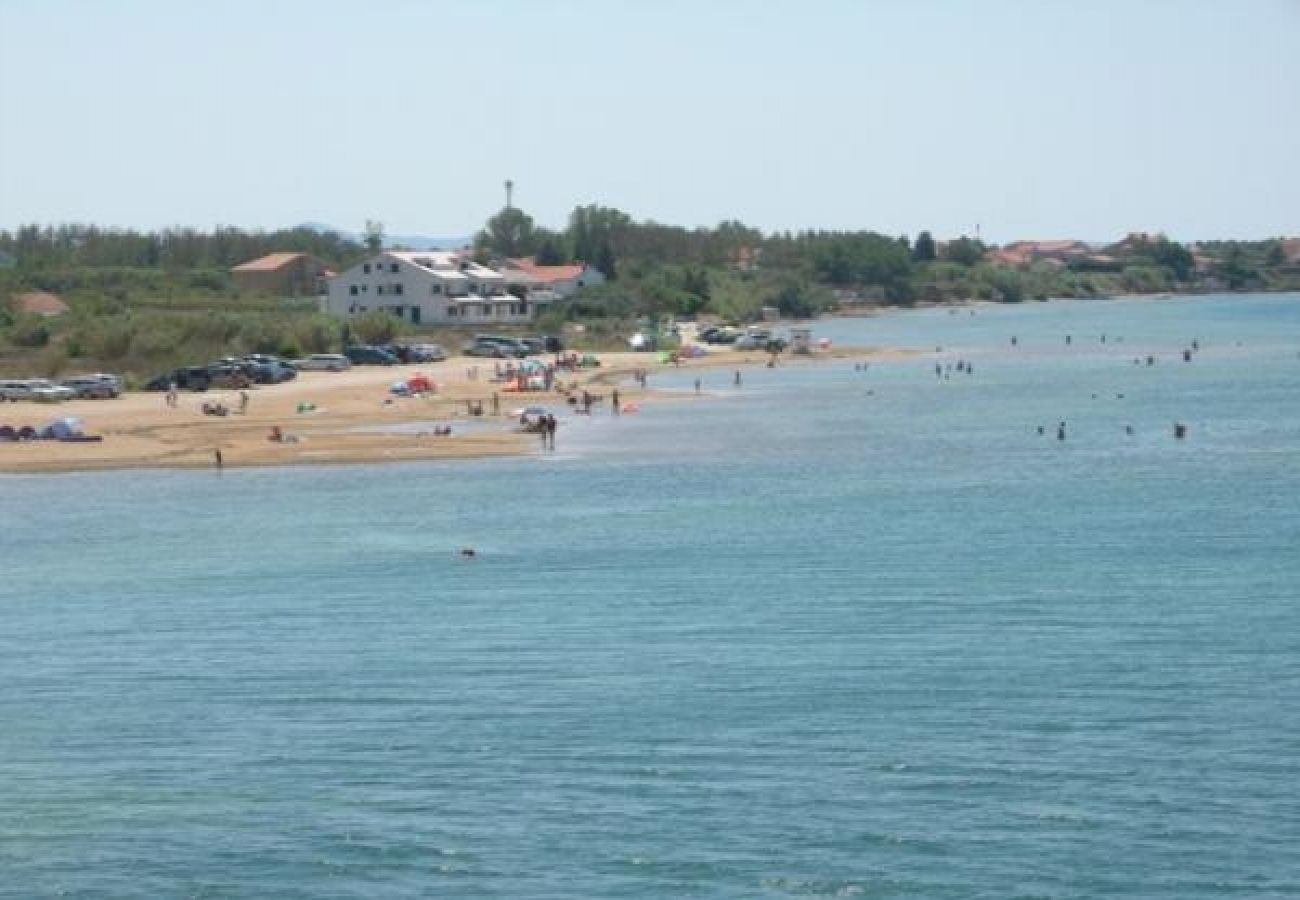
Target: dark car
(228, 375)
(189, 378)
(399, 352)
(364, 355)
(267, 369)
(533, 345)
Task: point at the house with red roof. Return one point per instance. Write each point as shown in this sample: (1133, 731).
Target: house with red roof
(282, 275)
(558, 281)
(1022, 253)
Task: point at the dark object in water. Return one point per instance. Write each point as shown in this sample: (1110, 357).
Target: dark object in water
(1180, 430)
(467, 553)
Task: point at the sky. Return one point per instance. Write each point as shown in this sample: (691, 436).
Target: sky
(1019, 118)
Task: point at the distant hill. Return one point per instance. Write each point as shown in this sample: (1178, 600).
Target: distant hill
(410, 241)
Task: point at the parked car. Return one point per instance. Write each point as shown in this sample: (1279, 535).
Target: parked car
(323, 362)
(270, 369)
(487, 348)
(491, 343)
(94, 387)
(719, 334)
(534, 345)
(44, 391)
(418, 353)
(365, 355)
(227, 375)
(189, 378)
(753, 340)
(15, 390)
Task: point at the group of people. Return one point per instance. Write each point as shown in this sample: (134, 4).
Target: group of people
(545, 426)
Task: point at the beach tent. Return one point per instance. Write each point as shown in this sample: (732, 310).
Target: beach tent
(61, 429)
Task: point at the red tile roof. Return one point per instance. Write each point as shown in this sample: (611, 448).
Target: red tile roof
(268, 263)
(40, 303)
(548, 274)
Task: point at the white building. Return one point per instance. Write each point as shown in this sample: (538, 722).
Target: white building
(427, 287)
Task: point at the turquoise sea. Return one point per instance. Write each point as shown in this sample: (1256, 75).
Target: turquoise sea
(831, 633)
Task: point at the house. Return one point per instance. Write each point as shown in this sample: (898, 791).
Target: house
(429, 287)
(1022, 253)
(40, 303)
(559, 281)
(746, 259)
(282, 275)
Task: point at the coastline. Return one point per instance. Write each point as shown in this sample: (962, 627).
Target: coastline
(354, 420)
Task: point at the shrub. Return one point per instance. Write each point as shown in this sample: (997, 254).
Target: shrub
(29, 331)
(376, 327)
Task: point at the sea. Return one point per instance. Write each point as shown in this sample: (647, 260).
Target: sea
(841, 630)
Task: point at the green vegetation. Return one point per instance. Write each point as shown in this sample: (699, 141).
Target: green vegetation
(142, 302)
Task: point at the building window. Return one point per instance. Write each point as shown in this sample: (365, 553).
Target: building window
(365, 267)
(452, 311)
(393, 268)
(379, 290)
(435, 289)
(397, 289)
(365, 288)
(353, 290)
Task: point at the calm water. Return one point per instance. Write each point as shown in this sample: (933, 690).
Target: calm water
(834, 633)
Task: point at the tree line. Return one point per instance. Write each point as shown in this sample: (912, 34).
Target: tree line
(92, 246)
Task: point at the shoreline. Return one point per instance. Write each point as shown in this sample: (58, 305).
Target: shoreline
(354, 419)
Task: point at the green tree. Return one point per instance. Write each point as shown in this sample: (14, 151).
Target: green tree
(550, 249)
(374, 236)
(597, 235)
(509, 233)
(923, 250)
(964, 251)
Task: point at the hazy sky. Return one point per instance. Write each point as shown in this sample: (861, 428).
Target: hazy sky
(1031, 119)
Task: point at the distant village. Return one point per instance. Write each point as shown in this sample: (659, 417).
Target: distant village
(449, 287)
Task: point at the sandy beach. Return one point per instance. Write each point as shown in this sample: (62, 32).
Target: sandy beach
(355, 418)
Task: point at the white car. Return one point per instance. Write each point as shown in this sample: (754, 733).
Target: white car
(323, 362)
(43, 391)
(97, 387)
(15, 390)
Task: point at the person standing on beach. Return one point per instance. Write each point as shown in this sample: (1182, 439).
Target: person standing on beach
(737, 380)
(614, 401)
(550, 429)
(697, 387)
(496, 404)
(217, 460)
(243, 402)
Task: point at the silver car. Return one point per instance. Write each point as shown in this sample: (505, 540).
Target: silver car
(94, 387)
(323, 362)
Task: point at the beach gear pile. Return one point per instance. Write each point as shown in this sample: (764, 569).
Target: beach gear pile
(67, 429)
